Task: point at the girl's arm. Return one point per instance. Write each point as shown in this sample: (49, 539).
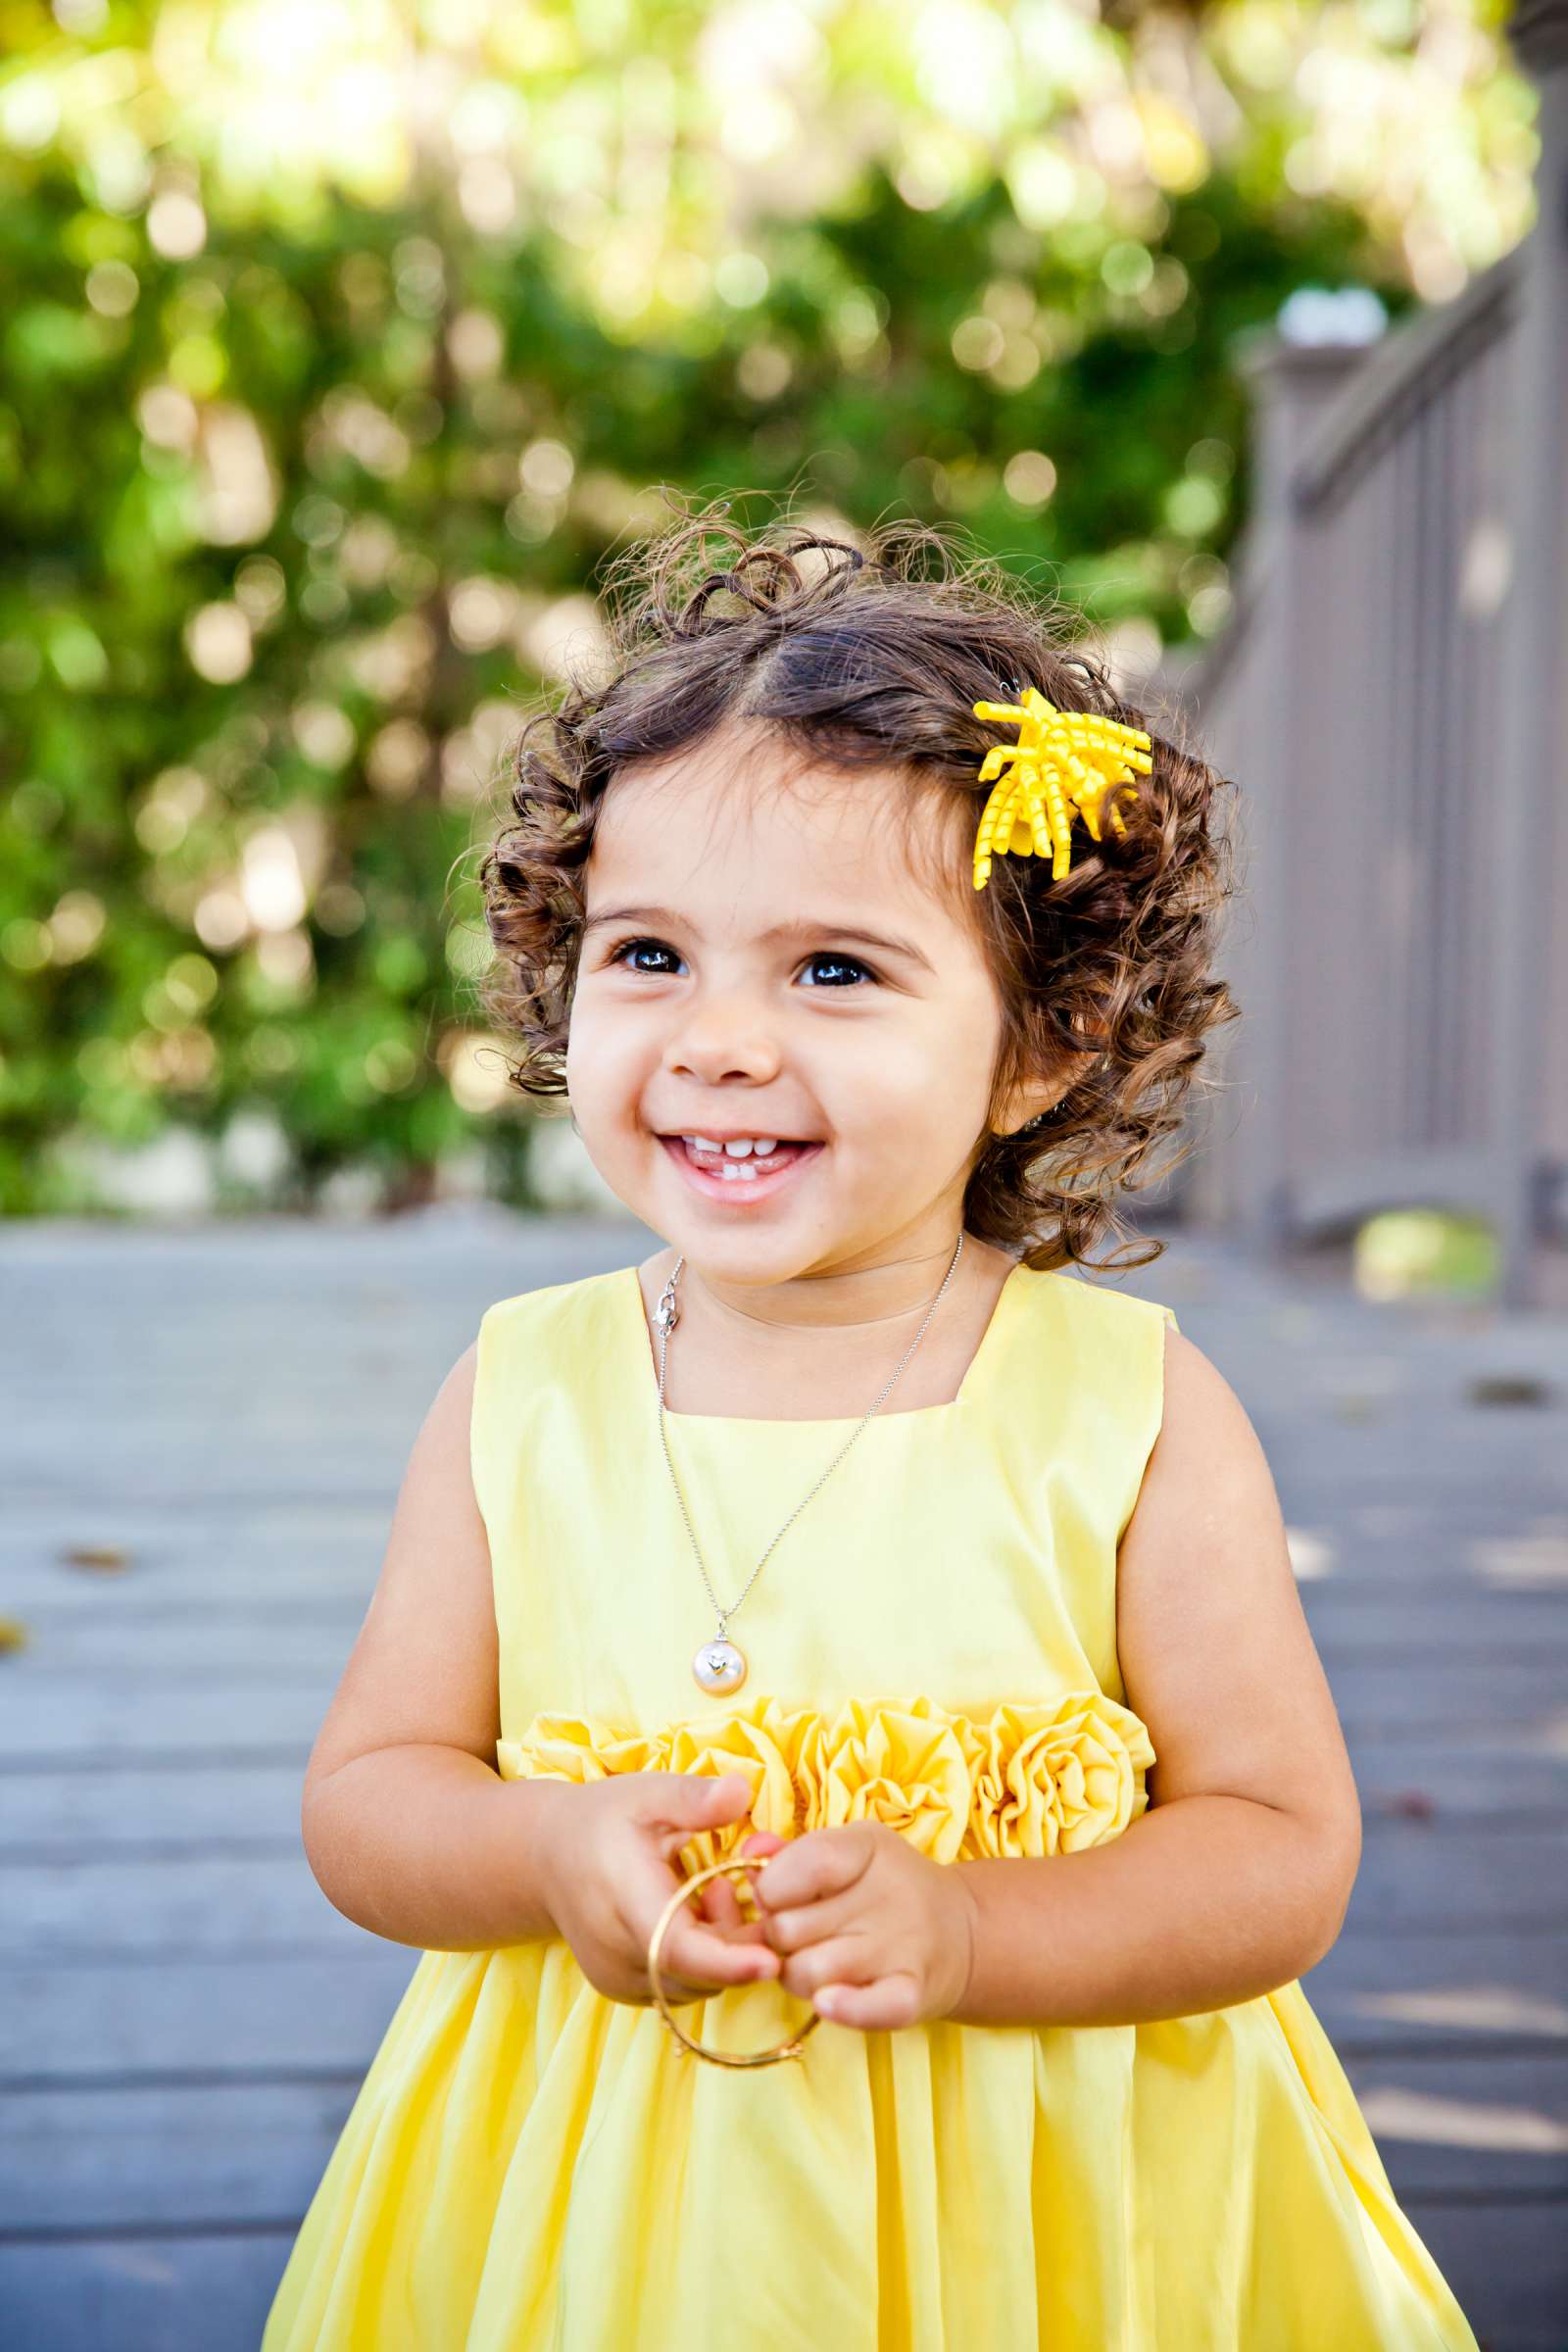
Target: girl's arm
(1237, 1878)
(408, 1826)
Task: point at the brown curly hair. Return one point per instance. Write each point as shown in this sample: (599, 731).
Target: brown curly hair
(870, 658)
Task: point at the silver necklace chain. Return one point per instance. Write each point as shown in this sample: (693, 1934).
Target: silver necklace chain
(666, 1315)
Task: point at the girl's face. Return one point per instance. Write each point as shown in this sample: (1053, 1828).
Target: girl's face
(759, 960)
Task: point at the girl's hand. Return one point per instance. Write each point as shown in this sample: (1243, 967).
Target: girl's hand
(872, 1931)
(607, 1870)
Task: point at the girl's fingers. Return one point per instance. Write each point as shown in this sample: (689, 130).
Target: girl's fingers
(881, 2007)
(714, 1955)
(721, 1903)
(798, 1927)
(675, 1806)
(711, 1943)
(710, 1963)
(709, 1904)
(739, 1931)
(840, 1961)
(720, 1899)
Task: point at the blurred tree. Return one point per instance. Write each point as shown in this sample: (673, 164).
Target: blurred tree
(309, 450)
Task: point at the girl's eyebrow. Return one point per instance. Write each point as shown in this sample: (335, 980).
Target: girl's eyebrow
(801, 927)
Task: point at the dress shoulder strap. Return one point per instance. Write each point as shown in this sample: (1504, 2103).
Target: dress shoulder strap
(531, 1350)
(1072, 1420)
(1099, 1383)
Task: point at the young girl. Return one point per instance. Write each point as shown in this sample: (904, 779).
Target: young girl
(853, 1536)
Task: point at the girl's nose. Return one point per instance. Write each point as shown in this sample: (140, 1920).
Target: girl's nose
(724, 1038)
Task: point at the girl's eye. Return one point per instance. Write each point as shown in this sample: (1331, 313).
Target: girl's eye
(829, 956)
(629, 948)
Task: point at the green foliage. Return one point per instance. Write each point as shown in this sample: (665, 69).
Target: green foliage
(288, 518)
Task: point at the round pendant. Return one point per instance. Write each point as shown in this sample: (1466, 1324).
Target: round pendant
(719, 1666)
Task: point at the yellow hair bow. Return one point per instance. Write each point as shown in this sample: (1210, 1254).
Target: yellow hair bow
(1060, 755)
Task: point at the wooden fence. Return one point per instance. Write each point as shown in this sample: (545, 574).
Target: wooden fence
(1391, 696)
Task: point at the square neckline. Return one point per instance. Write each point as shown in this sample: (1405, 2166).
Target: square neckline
(973, 1372)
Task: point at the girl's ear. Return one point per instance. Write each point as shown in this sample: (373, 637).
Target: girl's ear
(1027, 1104)
(1036, 1098)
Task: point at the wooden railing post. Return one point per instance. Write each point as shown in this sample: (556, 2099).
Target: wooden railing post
(1529, 1098)
(1293, 384)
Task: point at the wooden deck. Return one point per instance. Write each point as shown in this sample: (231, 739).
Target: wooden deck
(184, 2018)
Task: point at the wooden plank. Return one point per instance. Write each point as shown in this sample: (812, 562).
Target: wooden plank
(164, 1647)
(1430, 1875)
(86, 1815)
(165, 1652)
(154, 2292)
(1381, 1989)
(169, 2156)
(1422, 1875)
(63, 1716)
(54, 1813)
(179, 2016)
(1450, 2126)
(141, 2293)
(1507, 2265)
(1373, 1534)
(119, 1911)
(1500, 1785)
(265, 1577)
(203, 2154)
(80, 1616)
(231, 2013)
(251, 1704)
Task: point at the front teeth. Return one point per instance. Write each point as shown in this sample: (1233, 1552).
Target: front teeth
(734, 1156)
(741, 1147)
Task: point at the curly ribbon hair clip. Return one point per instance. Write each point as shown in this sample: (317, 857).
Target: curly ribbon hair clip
(1060, 756)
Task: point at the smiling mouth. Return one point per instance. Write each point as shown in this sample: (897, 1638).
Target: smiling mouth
(720, 1174)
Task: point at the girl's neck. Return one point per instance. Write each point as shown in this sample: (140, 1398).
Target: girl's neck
(822, 1349)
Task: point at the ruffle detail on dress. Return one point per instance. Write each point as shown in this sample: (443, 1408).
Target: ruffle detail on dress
(1028, 1779)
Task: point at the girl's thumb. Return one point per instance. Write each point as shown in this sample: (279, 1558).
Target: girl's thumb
(722, 1799)
(695, 1800)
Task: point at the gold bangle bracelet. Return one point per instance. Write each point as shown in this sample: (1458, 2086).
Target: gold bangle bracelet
(786, 2049)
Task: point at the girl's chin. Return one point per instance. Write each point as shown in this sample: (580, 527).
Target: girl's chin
(741, 1191)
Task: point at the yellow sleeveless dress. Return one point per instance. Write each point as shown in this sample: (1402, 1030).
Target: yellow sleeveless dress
(531, 2167)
